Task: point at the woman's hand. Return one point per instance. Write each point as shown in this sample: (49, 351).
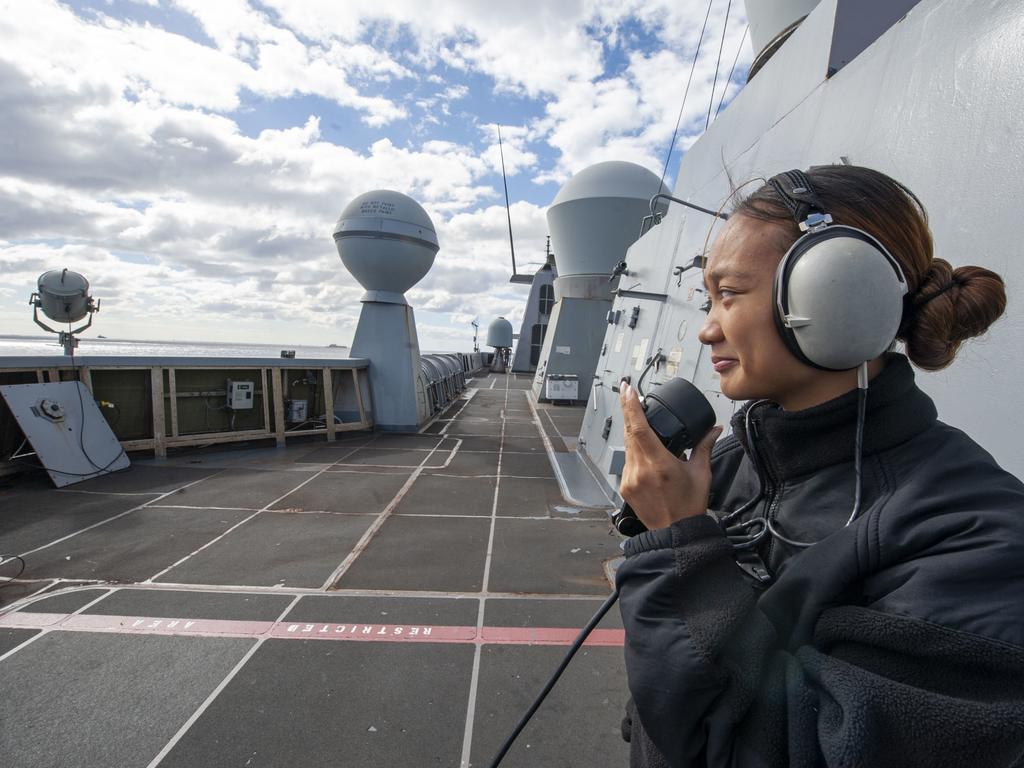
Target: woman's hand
(659, 487)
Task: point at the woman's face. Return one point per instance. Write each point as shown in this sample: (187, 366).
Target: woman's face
(746, 348)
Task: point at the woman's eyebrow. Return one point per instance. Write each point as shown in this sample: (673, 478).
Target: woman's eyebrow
(716, 276)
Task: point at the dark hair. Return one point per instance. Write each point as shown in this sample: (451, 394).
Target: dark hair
(943, 306)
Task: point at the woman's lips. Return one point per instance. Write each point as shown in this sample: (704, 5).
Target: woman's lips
(723, 363)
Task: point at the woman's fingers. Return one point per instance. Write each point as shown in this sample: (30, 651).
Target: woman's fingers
(701, 453)
(660, 487)
(637, 433)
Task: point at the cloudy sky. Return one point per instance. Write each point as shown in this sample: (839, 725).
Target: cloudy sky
(190, 157)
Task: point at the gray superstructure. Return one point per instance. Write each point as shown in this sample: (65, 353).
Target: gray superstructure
(930, 98)
(536, 316)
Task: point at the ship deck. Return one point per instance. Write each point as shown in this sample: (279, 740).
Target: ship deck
(386, 600)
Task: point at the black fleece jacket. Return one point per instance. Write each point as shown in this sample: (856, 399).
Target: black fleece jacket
(895, 641)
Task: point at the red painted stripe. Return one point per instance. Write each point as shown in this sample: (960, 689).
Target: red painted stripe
(381, 633)
(32, 620)
(549, 636)
(159, 626)
(377, 633)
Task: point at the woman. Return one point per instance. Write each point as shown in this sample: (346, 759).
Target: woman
(766, 624)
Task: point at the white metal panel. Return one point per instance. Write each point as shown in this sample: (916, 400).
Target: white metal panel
(77, 446)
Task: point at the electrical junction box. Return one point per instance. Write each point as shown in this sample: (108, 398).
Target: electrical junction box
(562, 386)
(240, 395)
(295, 411)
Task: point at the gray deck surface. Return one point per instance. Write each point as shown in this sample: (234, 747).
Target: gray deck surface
(384, 600)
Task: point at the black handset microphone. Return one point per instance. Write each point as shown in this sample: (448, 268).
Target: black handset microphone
(680, 416)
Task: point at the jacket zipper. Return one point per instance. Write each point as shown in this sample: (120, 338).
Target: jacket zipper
(772, 497)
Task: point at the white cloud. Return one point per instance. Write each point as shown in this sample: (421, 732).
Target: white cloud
(123, 152)
(152, 64)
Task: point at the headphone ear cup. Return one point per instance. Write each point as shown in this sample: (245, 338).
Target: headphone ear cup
(839, 298)
(780, 299)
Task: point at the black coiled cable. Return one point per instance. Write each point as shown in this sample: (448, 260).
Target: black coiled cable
(4, 560)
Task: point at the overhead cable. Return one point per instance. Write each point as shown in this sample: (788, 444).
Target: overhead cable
(686, 93)
(714, 86)
(731, 71)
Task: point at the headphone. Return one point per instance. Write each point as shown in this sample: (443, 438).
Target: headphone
(838, 293)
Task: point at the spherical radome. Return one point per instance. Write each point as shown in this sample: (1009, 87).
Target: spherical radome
(386, 240)
(612, 178)
(499, 333)
(596, 216)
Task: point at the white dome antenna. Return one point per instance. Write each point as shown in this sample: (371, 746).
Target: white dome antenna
(388, 242)
(593, 222)
(499, 336)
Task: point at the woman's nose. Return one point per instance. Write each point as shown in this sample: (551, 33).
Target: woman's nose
(711, 331)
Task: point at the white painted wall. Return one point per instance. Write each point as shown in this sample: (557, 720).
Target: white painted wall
(935, 103)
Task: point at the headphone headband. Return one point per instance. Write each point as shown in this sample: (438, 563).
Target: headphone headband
(796, 192)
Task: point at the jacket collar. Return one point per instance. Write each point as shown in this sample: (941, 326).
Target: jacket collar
(796, 443)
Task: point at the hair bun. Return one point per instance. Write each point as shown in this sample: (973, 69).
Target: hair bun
(949, 307)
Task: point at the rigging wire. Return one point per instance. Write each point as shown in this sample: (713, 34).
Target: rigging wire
(733, 69)
(686, 93)
(714, 86)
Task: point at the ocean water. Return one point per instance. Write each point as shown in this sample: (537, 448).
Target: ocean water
(35, 346)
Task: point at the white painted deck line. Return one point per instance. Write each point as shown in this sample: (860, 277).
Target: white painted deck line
(356, 472)
(228, 589)
(117, 516)
(347, 630)
(451, 455)
(474, 680)
(370, 532)
(45, 632)
(507, 477)
(563, 486)
(192, 554)
(211, 509)
(241, 523)
(103, 493)
(468, 392)
(215, 693)
(444, 430)
(506, 517)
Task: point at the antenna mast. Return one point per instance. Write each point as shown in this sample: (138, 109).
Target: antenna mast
(508, 212)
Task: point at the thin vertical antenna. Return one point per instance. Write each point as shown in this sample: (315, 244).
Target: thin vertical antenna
(508, 211)
(714, 86)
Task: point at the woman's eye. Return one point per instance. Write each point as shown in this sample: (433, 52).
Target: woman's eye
(706, 306)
